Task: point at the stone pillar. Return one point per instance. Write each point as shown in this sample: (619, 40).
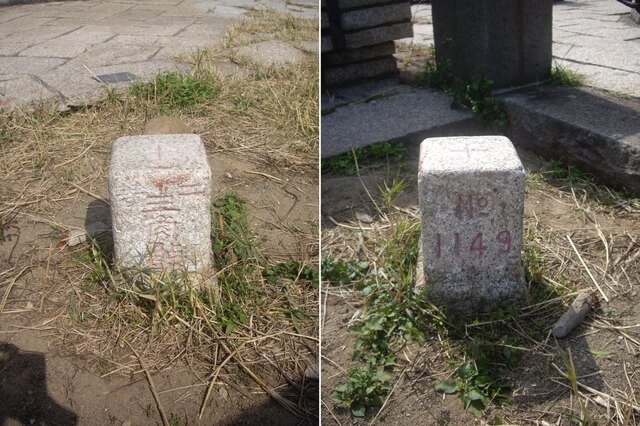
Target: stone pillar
(160, 194)
(471, 193)
(507, 41)
(357, 38)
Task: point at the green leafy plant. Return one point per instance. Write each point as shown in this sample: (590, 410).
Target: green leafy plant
(476, 388)
(338, 272)
(562, 76)
(291, 270)
(363, 389)
(474, 94)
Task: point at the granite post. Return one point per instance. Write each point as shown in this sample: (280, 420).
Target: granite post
(160, 194)
(471, 192)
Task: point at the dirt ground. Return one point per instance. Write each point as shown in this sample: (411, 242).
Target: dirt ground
(73, 350)
(605, 349)
(74, 383)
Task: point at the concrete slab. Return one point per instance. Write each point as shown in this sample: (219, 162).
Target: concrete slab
(272, 52)
(24, 89)
(386, 117)
(137, 36)
(13, 64)
(598, 133)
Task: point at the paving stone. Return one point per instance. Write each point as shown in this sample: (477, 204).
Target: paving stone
(229, 69)
(388, 118)
(227, 11)
(211, 33)
(20, 24)
(160, 195)
(12, 49)
(23, 89)
(45, 32)
(110, 53)
(471, 233)
(272, 52)
(56, 49)
(36, 66)
(98, 11)
(309, 46)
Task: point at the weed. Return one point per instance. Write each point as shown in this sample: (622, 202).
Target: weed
(562, 76)
(338, 272)
(172, 91)
(232, 240)
(390, 191)
(175, 420)
(476, 388)
(474, 93)
(394, 316)
(363, 389)
(345, 164)
(291, 270)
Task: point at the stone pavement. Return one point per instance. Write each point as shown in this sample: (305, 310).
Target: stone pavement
(54, 50)
(596, 38)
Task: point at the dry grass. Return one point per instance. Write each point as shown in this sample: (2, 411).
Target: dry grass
(51, 161)
(589, 241)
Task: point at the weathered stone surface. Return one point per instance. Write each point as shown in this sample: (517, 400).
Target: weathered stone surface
(326, 45)
(471, 192)
(359, 71)
(347, 4)
(507, 41)
(378, 35)
(597, 133)
(160, 193)
(21, 89)
(272, 52)
(324, 20)
(349, 56)
(390, 117)
(375, 16)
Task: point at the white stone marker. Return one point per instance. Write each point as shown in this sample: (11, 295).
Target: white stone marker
(471, 192)
(160, 193)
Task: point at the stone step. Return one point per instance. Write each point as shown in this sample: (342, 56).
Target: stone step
(598, 133)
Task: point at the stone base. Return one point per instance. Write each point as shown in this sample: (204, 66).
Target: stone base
(465, 306)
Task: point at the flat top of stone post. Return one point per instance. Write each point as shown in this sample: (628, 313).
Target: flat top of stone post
(468, 153)
(143, 152)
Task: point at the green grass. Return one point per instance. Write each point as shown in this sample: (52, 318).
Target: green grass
(562, 76)
(377, 153)
(473, 94)
(175, 91)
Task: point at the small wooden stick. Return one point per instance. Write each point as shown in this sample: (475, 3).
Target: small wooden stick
(165, 421)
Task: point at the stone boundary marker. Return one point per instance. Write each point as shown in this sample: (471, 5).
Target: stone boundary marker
(471, 192)
(160, 193)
